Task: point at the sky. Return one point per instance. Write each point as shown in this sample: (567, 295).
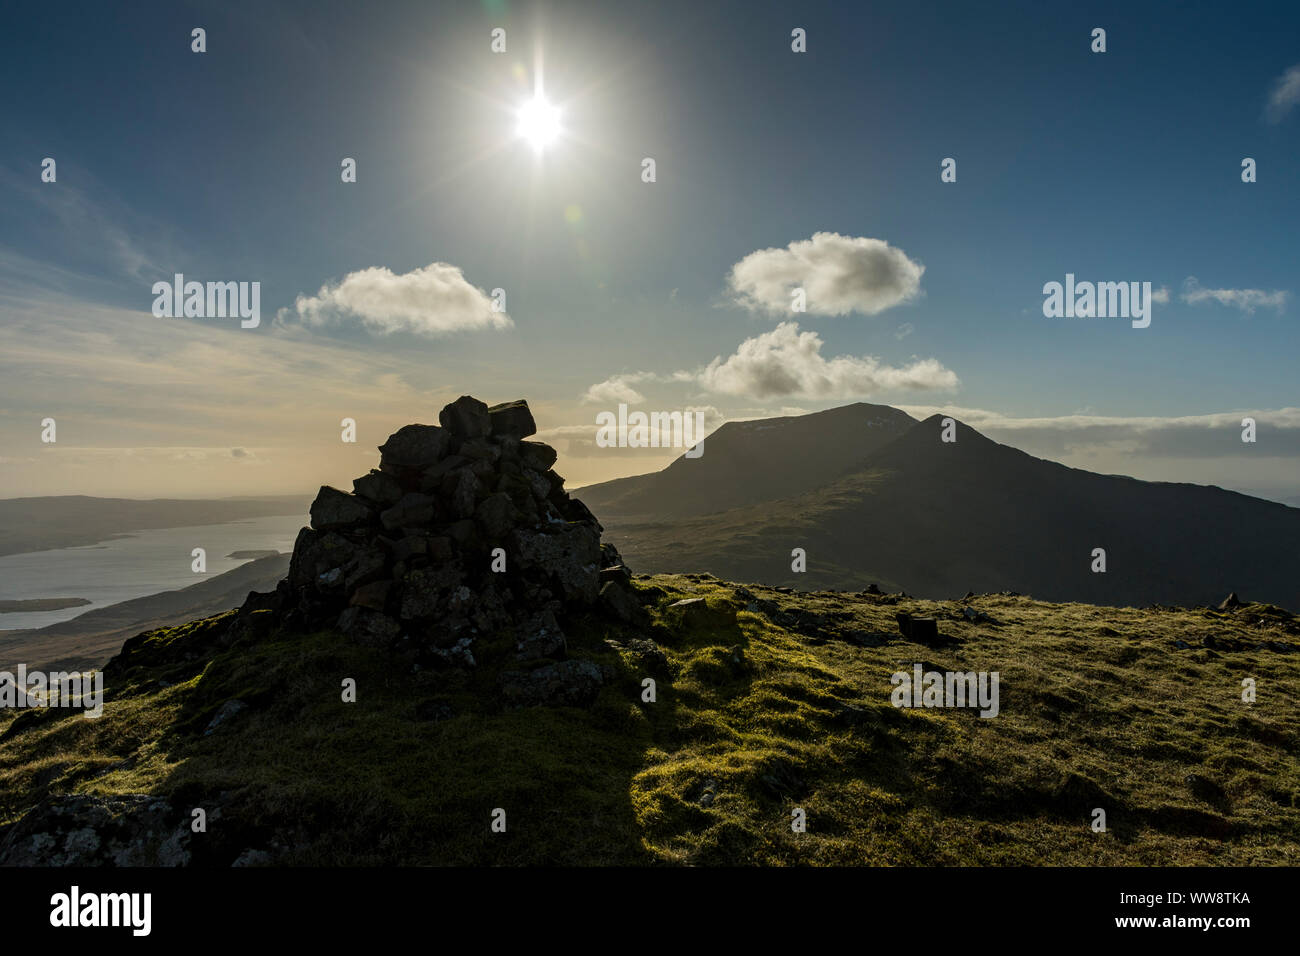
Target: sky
(774, 171)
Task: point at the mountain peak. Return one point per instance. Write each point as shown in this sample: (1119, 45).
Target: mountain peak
(746, 462)
(940, 517)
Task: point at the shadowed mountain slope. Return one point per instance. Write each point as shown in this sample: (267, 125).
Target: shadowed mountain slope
(747, 462)
(938, 518)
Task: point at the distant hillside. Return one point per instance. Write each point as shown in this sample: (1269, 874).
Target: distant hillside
(747, 462)
(937, 519)
(42, 524)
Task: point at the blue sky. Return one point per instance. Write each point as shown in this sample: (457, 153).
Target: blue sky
(1115, 166)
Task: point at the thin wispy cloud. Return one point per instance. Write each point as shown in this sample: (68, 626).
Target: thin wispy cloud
(1247, 300)
(232, 398)
(81, 214)
(1287, 418)
(1126, 442)
(1284, 96)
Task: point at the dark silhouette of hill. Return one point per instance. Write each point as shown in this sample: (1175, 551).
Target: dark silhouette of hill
(938, 519)
(748, 462)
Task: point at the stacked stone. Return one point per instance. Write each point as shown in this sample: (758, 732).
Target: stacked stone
(463, 530)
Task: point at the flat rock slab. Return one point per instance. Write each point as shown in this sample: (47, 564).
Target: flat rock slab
(512, 419)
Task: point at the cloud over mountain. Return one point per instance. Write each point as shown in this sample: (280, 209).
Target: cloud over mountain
(615, 389)
(618, 388)
(839, 274)
(434, 300)
(788, 363)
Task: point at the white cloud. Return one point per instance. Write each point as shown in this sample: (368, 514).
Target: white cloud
(618, 388)
(579, 441)
(713, 417)
(903, 331)
(1284, 418)
(615, 389)
(839, 274)
(1202, 449)
(1161, 295)
(787, 363)
(434, 300)
(1247, 300)
(1285, 95)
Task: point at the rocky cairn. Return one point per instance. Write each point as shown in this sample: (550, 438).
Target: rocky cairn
(464, 532)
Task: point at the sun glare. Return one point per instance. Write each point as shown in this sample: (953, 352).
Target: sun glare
(539, 123)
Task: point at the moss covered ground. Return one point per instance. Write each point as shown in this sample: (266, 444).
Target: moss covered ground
(770, 701)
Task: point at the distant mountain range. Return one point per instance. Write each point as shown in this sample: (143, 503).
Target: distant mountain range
(874, 496)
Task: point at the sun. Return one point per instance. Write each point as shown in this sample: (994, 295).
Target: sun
(539, 122)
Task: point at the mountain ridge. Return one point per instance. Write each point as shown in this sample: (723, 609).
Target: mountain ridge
(796, 453)
(938, 518)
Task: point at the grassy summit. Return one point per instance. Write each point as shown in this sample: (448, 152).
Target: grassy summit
(759, 711)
